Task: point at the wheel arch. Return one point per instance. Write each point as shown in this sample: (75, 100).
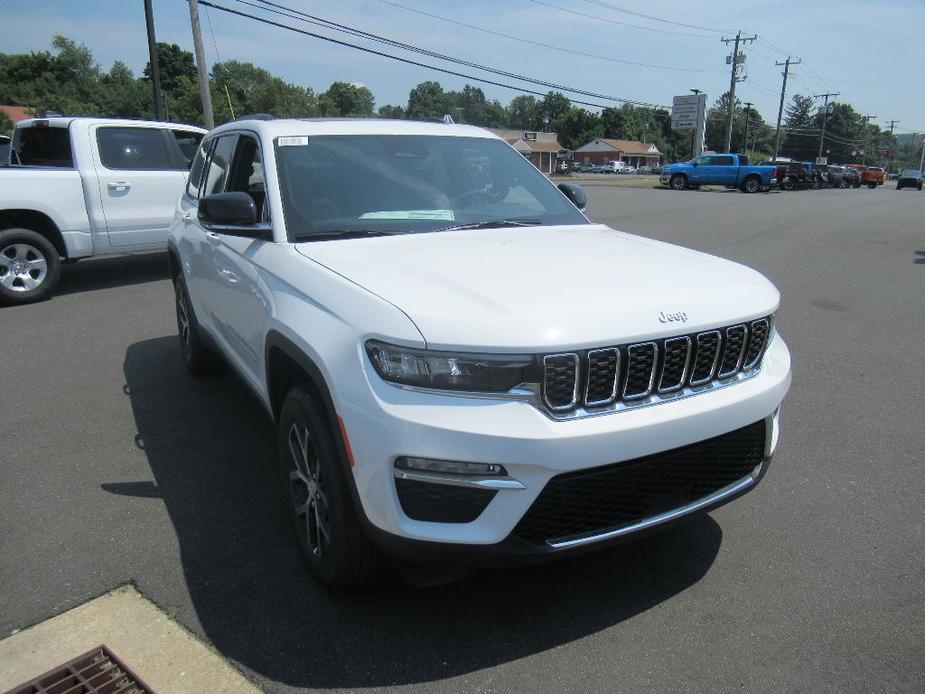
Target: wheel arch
(38, 222)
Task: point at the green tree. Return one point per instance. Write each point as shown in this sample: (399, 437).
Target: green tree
(174, 63)
(346, 99)
(6, 124)
(521, 112)
(428, 100)
(577, 126)
(554, 106)
(389, 111)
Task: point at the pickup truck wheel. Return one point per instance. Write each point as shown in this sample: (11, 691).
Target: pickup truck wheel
(29, 266)
(678, 182)
(312, 475)
(787, 183)
(199, 359)
(752, 184)
(871, 185)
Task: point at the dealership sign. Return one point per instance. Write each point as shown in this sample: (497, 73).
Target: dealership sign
(688, 111)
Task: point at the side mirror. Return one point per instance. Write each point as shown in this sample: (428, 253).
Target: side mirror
(576, 194)
(231, 213)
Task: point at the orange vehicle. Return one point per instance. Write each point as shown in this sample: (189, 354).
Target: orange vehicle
(872, 176)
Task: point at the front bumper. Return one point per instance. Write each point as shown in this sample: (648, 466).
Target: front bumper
(385, 422)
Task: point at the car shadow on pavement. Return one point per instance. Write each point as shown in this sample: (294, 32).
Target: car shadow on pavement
(211, 450)
(115, 271)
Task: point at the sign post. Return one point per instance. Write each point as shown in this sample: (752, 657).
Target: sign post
(688, 112)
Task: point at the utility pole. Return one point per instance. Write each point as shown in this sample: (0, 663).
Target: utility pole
(889, 166)
(825, 117)
(201, 66)
(732, 83)
(694, 129)
(748, 111)
(783, 91)
(866, 137)
(155, 66)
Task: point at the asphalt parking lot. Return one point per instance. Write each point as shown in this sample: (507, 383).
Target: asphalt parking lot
(116, 467)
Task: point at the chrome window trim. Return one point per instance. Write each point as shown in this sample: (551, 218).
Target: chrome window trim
(719, 344)
(629, 355)
(687, 363)
(767, 339)
(575, 362)
(616, 378)
(738, 364)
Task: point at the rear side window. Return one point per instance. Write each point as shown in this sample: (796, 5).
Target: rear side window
(134, 149)
(43, 146)
(219, 163)
(188, 142)
(195, 174)
(722, 161)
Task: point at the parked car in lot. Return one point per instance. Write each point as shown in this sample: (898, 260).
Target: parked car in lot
(644, 171)
(614, 167)
(83, 187)
(587, 167)
(431, 404)
(628, 169)
(871, 176)
(910, 178)
(851, 177)
(731, 170)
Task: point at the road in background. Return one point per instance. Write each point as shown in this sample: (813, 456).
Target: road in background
(117, 467)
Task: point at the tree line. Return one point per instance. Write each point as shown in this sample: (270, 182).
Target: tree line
(67, 80)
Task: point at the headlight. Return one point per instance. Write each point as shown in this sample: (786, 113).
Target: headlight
(484, 373)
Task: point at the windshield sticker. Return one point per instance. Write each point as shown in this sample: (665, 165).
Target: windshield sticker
(293, 141)
(441, 215)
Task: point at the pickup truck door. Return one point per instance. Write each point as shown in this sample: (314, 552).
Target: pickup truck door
(231, 285)
(140, 177)
(701, 169)
(724, 170)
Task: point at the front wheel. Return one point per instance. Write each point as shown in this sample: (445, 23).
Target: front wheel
(678, 182)
(198, 358)
(752, 184)
(787, 183)
(316, 492)
(29, 266)
(871, 185)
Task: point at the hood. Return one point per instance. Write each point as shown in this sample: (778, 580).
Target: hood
(547, 288)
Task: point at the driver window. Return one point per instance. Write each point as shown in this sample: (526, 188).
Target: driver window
(247, 173)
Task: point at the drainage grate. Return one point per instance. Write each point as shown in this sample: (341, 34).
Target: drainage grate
(96, 672)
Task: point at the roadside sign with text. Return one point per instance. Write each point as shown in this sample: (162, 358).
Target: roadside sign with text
(687, 111)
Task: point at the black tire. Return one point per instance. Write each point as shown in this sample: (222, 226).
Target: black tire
(29, 267)
(920, 186)
(857, 184)
(752, 184)
(871, 185)
(678, 182)
(899, 186)
(787, 183)
(316, 493)
(199, 359)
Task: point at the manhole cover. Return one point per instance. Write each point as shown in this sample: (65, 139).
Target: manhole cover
(96, 672)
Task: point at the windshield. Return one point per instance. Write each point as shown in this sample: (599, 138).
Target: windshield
(410, 184)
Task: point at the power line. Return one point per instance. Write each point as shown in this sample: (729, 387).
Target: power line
(624, 24)
(616, 8)
(381, 54)
(562, 49)
(343, 28)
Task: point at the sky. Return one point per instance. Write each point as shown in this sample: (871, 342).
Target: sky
(869, 51)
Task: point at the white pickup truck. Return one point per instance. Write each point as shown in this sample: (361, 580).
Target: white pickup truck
(82, 187)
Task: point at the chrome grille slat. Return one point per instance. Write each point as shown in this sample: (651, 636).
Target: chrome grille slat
(676, 355)
(602, 377)
(560, 381)
(613, 378)
(734, 343)
(641, 360)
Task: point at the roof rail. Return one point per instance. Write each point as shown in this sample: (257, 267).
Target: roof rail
(255, 116)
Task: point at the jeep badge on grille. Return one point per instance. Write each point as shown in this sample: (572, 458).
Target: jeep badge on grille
(679, 317)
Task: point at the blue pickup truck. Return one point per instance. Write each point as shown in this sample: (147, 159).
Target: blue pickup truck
(730, 170)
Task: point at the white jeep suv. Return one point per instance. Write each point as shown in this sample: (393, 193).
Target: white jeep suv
(462, 367)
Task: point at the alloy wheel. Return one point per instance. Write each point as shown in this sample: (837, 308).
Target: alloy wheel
(183, 323)
(23, 267)
(307, 491)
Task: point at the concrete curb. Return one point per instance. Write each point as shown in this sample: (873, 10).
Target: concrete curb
(163, 653)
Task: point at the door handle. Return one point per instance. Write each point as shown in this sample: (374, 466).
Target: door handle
(119, 185)
(214, 238)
